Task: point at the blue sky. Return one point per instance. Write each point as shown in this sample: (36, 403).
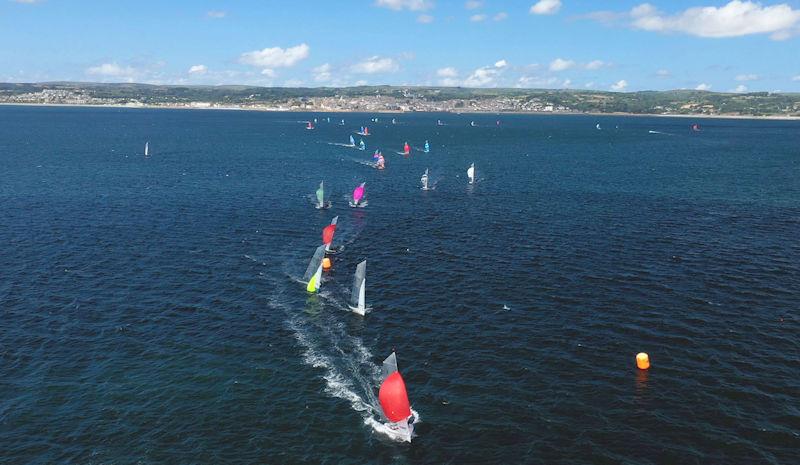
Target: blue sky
(618, 45)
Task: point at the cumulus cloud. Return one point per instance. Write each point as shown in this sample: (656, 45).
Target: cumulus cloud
(113, 70)
(501, 64)
(736, 18)
(595, 64)
(375, 65)
(322, 73)
(703, 86)
(536, 81)
(546, 7)
(740, 88)
(412, 5)
(619, 85)
(448, 72)
(424, 19)
(486, 76)
(198, 69)
(747, 77)
(477, 18)
(216, 14)
(500, 16)
(473, 4)
(275, 57)
(559, 64)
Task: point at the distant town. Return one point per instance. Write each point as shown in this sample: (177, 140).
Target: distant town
(405, 99)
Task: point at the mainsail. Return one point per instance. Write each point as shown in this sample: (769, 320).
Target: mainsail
(427, 147)
(471, 173)
(321, 195)
(352, 141)
(362, 145)
(358, 294)
(313, 274)
(424, 180)
(147, 149)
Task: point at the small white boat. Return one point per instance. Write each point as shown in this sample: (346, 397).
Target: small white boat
(424, 180)
(471, 173)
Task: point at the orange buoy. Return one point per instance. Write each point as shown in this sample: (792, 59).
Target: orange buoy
(326, 263)
(642, 361)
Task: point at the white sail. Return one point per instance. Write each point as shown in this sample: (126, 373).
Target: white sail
(359, 291)
(389, 365)
(334, 221)
(147, 149)
(313, 274)
(424, 180)
(471, 173)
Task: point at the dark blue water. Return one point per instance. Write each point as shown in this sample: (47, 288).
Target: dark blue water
(151, 309)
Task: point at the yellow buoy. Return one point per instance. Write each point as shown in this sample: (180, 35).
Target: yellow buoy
(642, 361)
(326, 263)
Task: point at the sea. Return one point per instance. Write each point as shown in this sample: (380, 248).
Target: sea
(152, 309)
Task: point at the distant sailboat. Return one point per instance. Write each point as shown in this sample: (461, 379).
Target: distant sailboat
(358, 195)
(381, 163)
(321, 203)
(394, 121)
(394, 401)
(147, 149)
(352, 142)
(427, 147)
(406, 149)
(362, 145)
(327, 234)
(313, 274)
(424, 180)
(472, 123)
(364, 131)
(598, 126)
(341, 123)
(309, 125)
(696, 127)
(471, 173)
(439, 122)
(359, 292)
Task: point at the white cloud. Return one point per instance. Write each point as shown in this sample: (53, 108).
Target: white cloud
(275, 57)
(412, 5)
(113, 70)
(501, 64)
(736, 18)
(619, 85)
(376, 64)
(546, 7)
(424, 19)
(322, 73)
(595, 64)
(567, 83)
(703, 86)
(740, 88)
(448, 72)
(270, 73)
(477, 18)
(486, 76)
(198, 69)
(663, 73)
(216, 14)
(796, 78)
(536, 81)
(473, 4)
(559, 64)
(747, 77)
(500, 16)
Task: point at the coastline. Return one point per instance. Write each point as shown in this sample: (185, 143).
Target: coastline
(326, 110)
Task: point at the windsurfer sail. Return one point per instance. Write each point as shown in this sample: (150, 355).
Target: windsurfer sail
(358, 294)
(471, 173)
(313, 275)
(358, 195)
(394, 401)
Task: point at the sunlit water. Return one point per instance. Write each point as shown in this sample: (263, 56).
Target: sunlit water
(151, 309)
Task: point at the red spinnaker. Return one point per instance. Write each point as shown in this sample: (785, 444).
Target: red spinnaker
(394, 398)
(327, 233)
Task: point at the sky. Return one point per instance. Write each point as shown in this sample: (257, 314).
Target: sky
(620, 45)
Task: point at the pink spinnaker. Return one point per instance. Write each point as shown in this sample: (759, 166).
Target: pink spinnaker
(358, 193)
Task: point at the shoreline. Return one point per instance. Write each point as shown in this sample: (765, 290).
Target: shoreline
(280, 110)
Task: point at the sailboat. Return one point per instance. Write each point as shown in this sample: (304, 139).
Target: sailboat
(394, 401)
(321, 203)
(147, 149)
(364, 131)
(381, 163)
(439, 122)
(424, 180)
(359, 292)
(362, 145)
(472, 123)
(394, 121)
(598, 126)
(313, 275)
(358, 194)
(309, 125)
(427, 147)
(471, 173)
(406, 150)
(696, 127)
(352, 142)
(341, 123)
(327, 234)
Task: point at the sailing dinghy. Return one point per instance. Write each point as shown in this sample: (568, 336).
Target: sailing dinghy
(358, 195)
(313, 274)
(147, 149)
(358, 294)
(424, 180)
(321, 202)
(427, 147)
(362, 145)
(471, 173)
(394, 402)
(327, 235)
